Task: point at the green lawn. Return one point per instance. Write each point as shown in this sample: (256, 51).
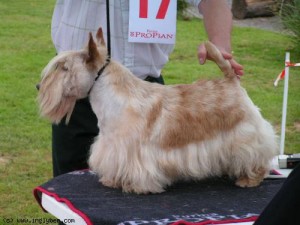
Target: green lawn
(26, 47)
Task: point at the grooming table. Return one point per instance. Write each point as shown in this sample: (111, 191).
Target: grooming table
(78, 198)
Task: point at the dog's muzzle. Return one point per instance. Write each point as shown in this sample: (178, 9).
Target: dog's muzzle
(37, 87)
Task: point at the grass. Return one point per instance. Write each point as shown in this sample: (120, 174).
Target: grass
(26, 47)
(25, 159)
(290, 15)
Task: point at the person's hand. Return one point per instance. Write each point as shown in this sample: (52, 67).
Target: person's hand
(203, 56)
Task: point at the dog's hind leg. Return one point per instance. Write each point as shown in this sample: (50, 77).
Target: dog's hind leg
(253, 149)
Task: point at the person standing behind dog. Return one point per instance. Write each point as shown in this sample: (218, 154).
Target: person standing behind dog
(71, 23)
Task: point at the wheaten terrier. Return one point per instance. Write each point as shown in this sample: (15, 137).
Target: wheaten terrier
(152, 135)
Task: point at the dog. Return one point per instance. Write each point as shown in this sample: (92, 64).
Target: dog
(153, 135)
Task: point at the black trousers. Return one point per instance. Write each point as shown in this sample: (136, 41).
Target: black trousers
(71, 143)
(285, 206)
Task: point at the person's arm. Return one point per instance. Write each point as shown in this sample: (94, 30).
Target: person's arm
(217, 19)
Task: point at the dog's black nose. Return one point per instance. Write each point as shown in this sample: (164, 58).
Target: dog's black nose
(37, 87)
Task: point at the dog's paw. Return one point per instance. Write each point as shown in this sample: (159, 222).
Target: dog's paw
(109, 183)
(141, 189)
(252, 181)
(129, 188)
(248, 182)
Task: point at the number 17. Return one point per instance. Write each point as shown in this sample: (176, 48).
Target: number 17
(162, 11)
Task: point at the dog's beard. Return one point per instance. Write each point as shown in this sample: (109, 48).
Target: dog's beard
(54, 105)
(56, 113)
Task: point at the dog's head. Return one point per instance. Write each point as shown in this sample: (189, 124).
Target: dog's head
(69, 76)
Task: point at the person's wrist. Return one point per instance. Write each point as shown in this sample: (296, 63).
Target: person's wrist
(223, 46)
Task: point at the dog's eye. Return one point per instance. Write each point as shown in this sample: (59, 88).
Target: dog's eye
(64, 68)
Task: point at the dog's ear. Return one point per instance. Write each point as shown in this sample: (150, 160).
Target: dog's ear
(93, 53)
(99, 36)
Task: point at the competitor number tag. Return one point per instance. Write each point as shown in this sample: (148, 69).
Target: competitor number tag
(152, 21)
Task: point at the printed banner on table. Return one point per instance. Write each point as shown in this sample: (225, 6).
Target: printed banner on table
(152, 21)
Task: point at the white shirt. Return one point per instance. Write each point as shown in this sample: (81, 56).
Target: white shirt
(74, 19)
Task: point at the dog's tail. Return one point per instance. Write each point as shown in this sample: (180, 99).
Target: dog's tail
(217, 57)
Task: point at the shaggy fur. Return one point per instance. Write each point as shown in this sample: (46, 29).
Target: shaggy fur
(153, 135)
